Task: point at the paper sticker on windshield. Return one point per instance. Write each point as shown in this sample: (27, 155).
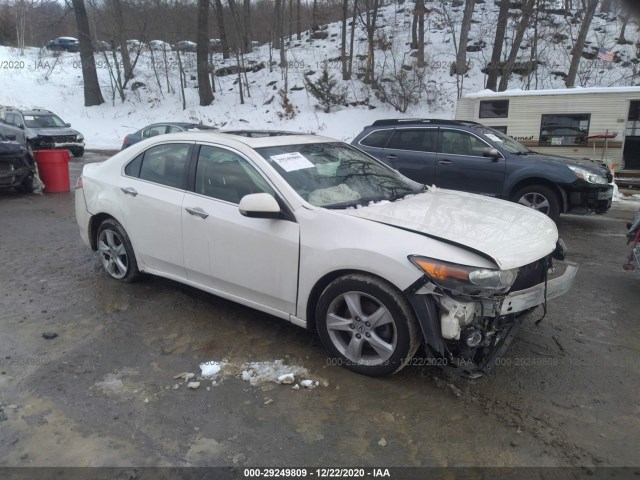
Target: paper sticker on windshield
(556, 140)
(493, 137)
(293, 161)
(28, 117)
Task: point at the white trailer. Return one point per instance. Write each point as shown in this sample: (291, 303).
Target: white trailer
(598, 123)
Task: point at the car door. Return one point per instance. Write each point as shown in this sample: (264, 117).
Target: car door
(13, 124)
(461, 164)
(255, 259)
(412, 151)
(151, 192)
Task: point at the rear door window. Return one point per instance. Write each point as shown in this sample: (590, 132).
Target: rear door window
(163, 164)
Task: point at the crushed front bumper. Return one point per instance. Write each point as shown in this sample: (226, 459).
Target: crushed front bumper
(537, 295)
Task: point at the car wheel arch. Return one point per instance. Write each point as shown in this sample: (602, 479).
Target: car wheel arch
(322, 283)
(560, 192)
(94, 226)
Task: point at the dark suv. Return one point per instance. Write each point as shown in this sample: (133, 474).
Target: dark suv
(63, 44)
(468, 156)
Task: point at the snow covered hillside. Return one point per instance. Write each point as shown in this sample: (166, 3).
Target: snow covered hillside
(40, 79)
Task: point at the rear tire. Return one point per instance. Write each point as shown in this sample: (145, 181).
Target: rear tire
(367, 325)
(541, 198)
(116, 252)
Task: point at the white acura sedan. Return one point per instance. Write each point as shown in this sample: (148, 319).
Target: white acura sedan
(316, 232)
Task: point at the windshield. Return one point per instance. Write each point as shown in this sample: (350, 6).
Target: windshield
(336, 175)
(43, 121)
(503, 140)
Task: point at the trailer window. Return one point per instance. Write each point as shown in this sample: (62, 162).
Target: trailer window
(494, 109)
(565, 129)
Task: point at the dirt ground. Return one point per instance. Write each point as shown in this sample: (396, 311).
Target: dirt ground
(102, 392)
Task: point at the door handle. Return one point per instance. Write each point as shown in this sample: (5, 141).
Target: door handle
(392, 157)
(129, 191)
(197, 211)
(444, 162)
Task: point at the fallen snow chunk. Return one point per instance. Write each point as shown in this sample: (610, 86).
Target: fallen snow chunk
(296, 387)
(246, 375)
(182, 375)
(286, 379)
(146, 400)
(268, 401)
(209, 369)
(310, 384)
(382, 442)
(176, 386)
(193, 385)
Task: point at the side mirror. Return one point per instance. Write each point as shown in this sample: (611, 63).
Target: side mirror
(259, 205)
(67, 124)
(491, 153)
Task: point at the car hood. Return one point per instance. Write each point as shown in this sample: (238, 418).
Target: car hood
(510, 234)
(586, 164)
(54, 132)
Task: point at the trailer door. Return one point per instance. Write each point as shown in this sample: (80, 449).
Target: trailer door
(460, 164)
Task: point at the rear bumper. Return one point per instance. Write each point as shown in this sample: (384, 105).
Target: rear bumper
(83, 217)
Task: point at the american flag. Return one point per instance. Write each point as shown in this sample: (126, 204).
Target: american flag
(605, 55)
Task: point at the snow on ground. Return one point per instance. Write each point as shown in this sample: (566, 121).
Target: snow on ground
(257, 373)
(38, 78)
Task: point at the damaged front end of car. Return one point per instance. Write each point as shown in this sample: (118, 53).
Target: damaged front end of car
(17, 169)
(469, 315)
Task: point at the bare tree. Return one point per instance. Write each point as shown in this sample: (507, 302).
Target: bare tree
(578, 47)
(420, 12)
(314, 16)
(527, 9)
(298, 21)
(92, 93)
(343, 44)
(202, 54)
(222, 29)
(369, 21)
(498, 42)
(461, 56)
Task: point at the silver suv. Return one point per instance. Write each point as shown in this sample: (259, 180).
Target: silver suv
(39, 129)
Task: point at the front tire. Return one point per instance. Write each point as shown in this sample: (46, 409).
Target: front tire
(367, 325)
(541, 198)
(116, 252)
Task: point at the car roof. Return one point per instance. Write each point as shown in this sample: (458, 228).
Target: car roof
(282, 138)
(421, 121)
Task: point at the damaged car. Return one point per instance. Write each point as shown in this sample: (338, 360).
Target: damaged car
(17, 169)
(320, 234)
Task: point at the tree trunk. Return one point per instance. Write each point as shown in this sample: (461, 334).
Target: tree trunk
(343, 45)
(222, 29)
(579, 45)
(121, 41)
(298, 22)
(414, 28)
(461, 58)
(496, 54)
(352, 37)
(625, 20)
(248, 31)
(420, 11)
(202, 54)
(92, 93)
(527, 9)
(371, 16)
(605, 7)
(314, 16)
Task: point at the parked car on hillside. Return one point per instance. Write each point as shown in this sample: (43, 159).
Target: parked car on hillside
(186, 46)
(102, 46)
(474, 158)
(39, 129)
(160, 45)
(162, 129)
(63, 44)
(215, 45)
(316, 232)
(16, 165)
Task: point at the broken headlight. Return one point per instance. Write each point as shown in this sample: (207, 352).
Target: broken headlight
(465, 279)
